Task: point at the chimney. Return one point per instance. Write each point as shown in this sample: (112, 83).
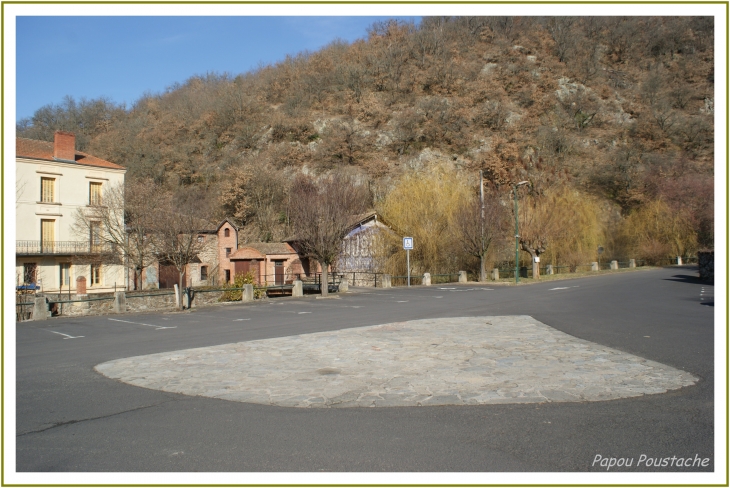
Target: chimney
(64, 146)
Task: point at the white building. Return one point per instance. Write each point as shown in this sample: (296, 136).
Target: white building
(53, 181)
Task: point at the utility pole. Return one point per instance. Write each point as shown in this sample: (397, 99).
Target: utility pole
(517, 233)
(481, 223)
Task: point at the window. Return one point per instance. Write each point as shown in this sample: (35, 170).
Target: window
(203, 273)
(95, 274)
(95, 236)
(228, 276)
(47, 187)
(94, 193)
(228, 251)
(47, 235)
(65, 274)
(227, 233)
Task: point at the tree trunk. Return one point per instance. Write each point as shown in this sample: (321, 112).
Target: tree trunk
(324, 286)
(535, 269)
(180, 289)
(482, 269)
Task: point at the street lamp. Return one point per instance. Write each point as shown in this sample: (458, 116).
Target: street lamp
(517, 233)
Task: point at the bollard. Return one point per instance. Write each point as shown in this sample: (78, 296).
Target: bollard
(177, 296)
(614, 264)
(385, 281)
(120, 302)
(632, 263)
(247, 293)
(679, 260)
(594, 266)
(343, 286)
(549, 269)
(298, 289)
(426, 280)
(462, 276)
(188, 298)
(40, 309)
(495, 274)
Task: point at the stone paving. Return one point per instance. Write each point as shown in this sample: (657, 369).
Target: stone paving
(452, 361)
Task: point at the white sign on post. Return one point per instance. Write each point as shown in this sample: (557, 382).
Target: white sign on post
(408, 245)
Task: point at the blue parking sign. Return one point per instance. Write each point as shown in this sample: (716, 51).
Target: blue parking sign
(408, 243)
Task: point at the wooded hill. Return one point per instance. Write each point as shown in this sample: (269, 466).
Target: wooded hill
(618, 111)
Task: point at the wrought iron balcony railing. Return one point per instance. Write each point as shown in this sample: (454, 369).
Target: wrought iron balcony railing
(61, 247)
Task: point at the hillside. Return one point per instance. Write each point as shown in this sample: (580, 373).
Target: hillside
(620, 109)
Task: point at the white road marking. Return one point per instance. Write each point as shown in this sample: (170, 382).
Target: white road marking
(447, 288)
(67, 336)
(560, 288)
(240, 320)
(439, 297)
(157, 327)
(303, 312)
(402, 301)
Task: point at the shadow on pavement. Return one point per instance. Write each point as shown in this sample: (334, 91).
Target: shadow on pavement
(690, 279)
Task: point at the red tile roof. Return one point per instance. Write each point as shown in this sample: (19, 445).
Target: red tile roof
(32, 149)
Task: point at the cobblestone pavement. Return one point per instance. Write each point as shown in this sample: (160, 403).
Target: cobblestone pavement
(453, 361)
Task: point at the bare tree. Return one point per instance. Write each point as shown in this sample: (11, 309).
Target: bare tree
(322, 213)
(480, 226)
(124, 220)
(181, 218)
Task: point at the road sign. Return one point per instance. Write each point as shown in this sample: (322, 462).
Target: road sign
(408, 243)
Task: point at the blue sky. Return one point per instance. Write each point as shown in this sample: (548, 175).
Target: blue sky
(123, 57)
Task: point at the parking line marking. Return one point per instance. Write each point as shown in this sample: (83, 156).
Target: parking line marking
(67, 336)
(560, 288)
(303, 312)
(157, 327)
(240, 320)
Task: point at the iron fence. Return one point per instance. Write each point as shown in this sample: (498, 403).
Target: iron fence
(62, 247)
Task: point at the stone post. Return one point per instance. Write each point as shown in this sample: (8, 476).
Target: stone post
(81, 285)
(120, 302)
(679, 260)
(426, 280)
(298, 289)
(343, 286)
(385, 282)
(495, 274)
(462, 276)
(594, 266)
(632, 263)
(177, 296)
(40, 309)
(188, 300)
(247, 293)
(549, 269)
(614, 265)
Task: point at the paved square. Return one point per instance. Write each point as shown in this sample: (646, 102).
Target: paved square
(445, 361)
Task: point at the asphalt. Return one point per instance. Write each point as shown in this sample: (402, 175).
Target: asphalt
(71, 418)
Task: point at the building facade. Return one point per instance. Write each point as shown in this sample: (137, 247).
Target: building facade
(53, 181)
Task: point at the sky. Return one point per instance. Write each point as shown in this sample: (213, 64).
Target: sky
(122, 58)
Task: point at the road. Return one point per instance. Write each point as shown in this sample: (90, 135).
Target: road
(70, 418)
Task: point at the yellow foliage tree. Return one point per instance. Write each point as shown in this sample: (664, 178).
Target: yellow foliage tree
(422, 205)
(653, 232)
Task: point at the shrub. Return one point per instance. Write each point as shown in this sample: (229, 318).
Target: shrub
(232, 294)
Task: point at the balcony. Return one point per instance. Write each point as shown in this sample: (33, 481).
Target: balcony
(36, 248)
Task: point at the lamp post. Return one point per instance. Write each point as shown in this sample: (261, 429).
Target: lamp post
(517, 233)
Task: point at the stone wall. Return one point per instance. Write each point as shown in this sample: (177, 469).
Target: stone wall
(139, 302)
(706, 260)
(100, 303)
